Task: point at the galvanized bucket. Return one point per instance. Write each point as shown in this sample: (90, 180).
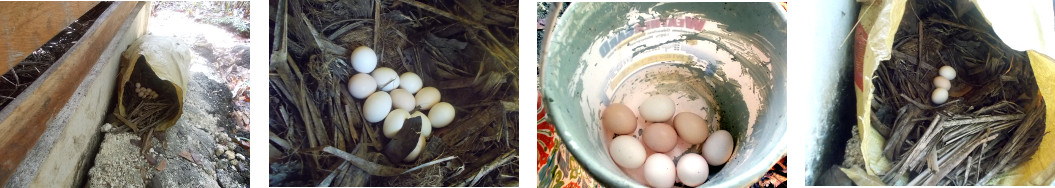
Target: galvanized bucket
(725, 61)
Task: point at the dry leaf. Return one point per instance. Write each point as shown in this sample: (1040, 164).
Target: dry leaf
(186, 155)
(162, 165)
(150, 159)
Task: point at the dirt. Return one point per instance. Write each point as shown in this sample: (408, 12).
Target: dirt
(852, 156)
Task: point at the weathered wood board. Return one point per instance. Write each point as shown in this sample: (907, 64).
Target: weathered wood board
(25, 26)
(75, 131)
(43, 104)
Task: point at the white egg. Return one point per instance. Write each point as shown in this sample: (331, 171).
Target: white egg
(942, 82)
(394, 122)
(427, 97)
(361, 85)
(718, 148)
(364, 59)
(426, 124)
(410, 81)
(377, 106)
(627, 151)
(417, 150)
(441, 114)
(386, 78)
(947, 72)
(660, 170)
(657, 109)
(692, 169)
(939, 96)
(402, 99)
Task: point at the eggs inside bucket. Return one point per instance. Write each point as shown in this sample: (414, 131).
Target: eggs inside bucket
(722, 62)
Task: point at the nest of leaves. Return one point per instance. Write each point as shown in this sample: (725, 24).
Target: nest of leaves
(993, 120)
(466, 49)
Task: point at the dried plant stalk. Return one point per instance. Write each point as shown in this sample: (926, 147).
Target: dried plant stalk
(994, 118)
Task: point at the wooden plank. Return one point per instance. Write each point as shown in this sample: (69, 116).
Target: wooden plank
(63, 154)
(28, 25)
(22, 126)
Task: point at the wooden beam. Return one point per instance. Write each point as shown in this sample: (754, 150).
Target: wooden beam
(65, 152)
(22, 125)
(28, 25)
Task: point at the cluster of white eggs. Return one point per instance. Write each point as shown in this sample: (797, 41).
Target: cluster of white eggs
(145, 93)
(942, 84)
(395, 98)
(659, 168)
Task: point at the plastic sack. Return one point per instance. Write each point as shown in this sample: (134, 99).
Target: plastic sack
(150, 84)
(874, 37)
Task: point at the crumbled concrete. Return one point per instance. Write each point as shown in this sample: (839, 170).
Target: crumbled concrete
(181, 172)
(118, 163)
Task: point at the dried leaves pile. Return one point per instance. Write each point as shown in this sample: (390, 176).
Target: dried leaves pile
(467, 49)
(994, 119)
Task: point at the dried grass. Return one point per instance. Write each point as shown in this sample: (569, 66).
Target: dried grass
(470, 56)
(993, 121)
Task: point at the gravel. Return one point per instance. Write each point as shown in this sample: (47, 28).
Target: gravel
(117, 163)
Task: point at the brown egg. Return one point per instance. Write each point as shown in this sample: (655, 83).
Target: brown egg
(619, 119)
(660, 137)
(691, 127)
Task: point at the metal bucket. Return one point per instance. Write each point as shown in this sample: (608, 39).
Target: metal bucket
(723, 61)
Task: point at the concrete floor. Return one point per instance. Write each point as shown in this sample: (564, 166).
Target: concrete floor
(195, 152)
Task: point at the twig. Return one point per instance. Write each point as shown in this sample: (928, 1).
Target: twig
(932, 160)
(121, 118)
(281, 29)
(278, 140)
(474, 25)
(919, 43)
(1013, 145)
(902, 129)
(998, 105)
(446, 14)
(377, 23)
(430, 164)
(320, 41)
(490, 167)
(961, 26)
(915, 155)
(924, 106)
(343, 29)
(146, 141)
(329, 179)
(370, 167)
(984, 119)
(957, 134)
(960, 155)
(867, 8)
